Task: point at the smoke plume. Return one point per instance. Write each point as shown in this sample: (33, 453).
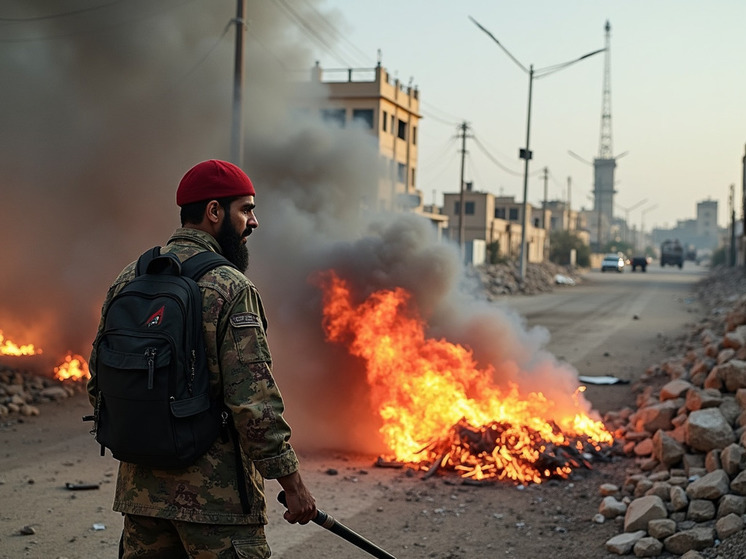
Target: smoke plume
(106, 108)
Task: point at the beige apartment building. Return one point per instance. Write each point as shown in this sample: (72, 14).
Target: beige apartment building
(496, 219)
(390, 110)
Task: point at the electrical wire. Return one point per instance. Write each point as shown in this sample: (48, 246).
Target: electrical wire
(58, 15)
(307, 29)
(339, 35)
(494, 159)
(99, 28)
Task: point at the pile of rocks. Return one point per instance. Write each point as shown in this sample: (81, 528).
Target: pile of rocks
(21, 392)
(498, 280)
(688, 437)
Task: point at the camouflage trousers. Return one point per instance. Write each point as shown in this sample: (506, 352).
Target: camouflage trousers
(146, 537)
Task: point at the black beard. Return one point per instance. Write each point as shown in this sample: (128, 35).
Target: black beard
(232, 246)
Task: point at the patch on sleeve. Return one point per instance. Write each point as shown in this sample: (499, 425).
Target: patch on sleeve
(245, 320)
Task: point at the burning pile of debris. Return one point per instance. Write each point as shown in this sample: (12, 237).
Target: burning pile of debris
(688, 437)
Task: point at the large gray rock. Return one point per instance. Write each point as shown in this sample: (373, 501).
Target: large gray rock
(728, 525)
(707, 429)
(731, 504)
(733, 374)
(700, 510)
(647, 547)
(738, 485)
(611, 508)
(643, 510)
(733, 459)
(667, 450)
(711, 486)
(687, 540)
(623, 543)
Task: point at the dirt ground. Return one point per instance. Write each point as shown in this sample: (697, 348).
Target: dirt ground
(394, 508)
(408, 516)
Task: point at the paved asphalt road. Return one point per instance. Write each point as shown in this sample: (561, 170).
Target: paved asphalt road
(615, 324)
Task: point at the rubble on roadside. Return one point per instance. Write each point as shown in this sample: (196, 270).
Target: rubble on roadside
(21, 392)
(688, 438)
(498, 280)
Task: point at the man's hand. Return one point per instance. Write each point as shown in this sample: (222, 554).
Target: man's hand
(300, 503)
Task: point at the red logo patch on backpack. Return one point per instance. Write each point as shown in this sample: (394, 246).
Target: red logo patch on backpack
(156, 318)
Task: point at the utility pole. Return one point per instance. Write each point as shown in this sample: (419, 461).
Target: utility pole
(238, 73)
(743, 207)
(462, 186)
(732, 203)
(544, 206)
(569, 207)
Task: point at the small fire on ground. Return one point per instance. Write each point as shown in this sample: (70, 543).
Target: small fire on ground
(440, 412)
(72, 367)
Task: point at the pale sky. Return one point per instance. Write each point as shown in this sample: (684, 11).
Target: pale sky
(678, 107)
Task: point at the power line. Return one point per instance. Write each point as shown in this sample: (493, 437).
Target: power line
(58, 15)
(311, 33)
(494, 159)
(99, 28)
(339, 35)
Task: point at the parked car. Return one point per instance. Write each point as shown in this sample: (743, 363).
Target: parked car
(639, 262)
(613, 262)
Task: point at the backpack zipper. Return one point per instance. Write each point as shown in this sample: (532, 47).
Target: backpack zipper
(150, 356)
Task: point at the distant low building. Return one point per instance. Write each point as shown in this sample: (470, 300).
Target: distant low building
(701, 233)
(494, 219)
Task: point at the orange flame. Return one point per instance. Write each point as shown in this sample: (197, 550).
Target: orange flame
(74, 367)
(439, 409)
(7, 347)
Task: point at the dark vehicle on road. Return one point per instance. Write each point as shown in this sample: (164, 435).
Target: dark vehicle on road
(639, 262)
(672, 253)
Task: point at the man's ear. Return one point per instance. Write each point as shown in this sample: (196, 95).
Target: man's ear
(212, 211)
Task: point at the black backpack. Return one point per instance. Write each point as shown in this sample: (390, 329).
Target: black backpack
(153, 402)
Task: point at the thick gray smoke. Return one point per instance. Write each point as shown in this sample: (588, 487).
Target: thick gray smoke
(105, 109)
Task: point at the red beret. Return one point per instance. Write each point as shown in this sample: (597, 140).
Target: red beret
(213, 179)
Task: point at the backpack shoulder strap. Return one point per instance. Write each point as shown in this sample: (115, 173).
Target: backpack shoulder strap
(145, 258)
(198, 265)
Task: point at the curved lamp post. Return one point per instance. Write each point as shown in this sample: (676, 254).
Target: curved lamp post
(525, 153)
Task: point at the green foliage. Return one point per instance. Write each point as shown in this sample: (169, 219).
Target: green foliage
(493, 253)
(560, 245)
(719, 257)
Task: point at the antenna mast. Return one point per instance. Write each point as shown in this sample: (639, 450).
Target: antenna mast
(605, 150)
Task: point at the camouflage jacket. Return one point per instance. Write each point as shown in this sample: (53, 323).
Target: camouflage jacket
(241, 370)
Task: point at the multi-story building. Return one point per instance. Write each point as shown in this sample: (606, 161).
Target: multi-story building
(494, 219)
(391, 111)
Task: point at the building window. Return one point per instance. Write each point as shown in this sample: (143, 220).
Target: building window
(402, 132)
(384, 120)
(500, 213)
(401, 172)
(364, 116)
(513, 214)
(468, 208)
(334, 116)
(412, 184)
(414, 135)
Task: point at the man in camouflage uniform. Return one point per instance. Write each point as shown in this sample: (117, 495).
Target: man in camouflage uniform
(210, 509)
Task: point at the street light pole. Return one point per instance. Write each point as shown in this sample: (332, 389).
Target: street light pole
(626, 217)
(525, 153)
